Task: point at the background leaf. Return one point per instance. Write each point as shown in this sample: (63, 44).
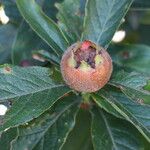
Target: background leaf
(27, 41)
(133, 57)
(70, 18)
(25, 44)
(102, 19)
(7, 33)
(48, 56)
(141, 4)
(43, 25)
(12, 11)
(19, 43)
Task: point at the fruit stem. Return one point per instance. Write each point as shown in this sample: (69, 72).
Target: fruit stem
(86, 97)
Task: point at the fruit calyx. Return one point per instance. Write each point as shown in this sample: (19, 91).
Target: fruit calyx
(85, 56)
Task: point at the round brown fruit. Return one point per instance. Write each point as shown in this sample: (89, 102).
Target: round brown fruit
(86, 67)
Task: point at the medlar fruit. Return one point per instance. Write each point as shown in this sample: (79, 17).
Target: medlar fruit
(86, 67)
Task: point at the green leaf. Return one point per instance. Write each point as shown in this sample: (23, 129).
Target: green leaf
(46, 55)
(70, 18)
(132, 84)
(49, 9)
(16, 82)
(20, 43)
(135, 113)
(50, 130)
(43, 25)
(26, 40)
(7, 34)
(29, 43)
(6, 138)
(102, 19)
(80, 137)
(29, 40)
(142, 4)
(109, 132)
(33, 91)
(56, 75)
(134, 57)
(101, 102)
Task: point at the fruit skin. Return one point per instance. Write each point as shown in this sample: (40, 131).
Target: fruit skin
(89, 80)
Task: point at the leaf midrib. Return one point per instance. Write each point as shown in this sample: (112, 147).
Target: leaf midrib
(33, 92)
(121, 86)
(109, 130)
(104, 24)
(54, 121)
(128, 118)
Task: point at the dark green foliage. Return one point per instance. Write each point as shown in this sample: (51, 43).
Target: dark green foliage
(45, 114)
